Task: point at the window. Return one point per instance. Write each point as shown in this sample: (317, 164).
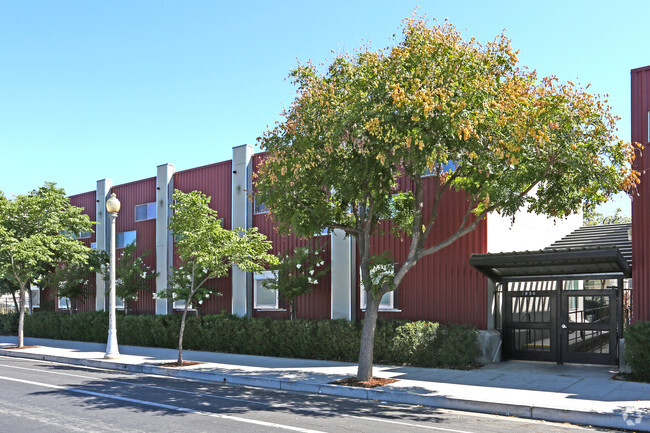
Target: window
(179, 304)
(145, 211)
(64, 303)
(119, 303)
(378, 272)
(35, 293)
(82, 235)
(123, 239)
(93, 245)
(264, 299)
(259, 207)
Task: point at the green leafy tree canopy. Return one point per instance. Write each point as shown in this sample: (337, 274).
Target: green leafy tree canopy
(297, 274)
(35, 231)
(433, 104)
(206, 250)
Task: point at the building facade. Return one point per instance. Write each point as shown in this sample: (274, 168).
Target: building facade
(442, 287)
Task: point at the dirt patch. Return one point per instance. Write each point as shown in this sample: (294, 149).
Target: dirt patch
(20, 348)
(628, 377)
(174, 364)
(372, 383)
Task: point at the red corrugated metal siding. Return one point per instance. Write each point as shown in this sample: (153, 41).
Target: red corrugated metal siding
(641, 202)
(214, 180)
(86, 201)
(316, 304)
(132, 194)
(442, 287)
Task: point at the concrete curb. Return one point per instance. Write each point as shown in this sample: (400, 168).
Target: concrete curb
(622, 420)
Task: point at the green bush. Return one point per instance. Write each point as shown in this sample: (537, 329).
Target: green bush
(424, 344)
(9, 324)
(637, 350)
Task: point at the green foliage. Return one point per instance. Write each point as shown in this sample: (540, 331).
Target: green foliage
(71, 280)
(297, 274)
(424, 344)
(8, 324)
(637, 350)
(35, 237)
(206, 251)
(433, 104)
(85, 326)
(593, 218)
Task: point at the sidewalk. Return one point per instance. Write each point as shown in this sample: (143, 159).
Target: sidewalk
(561, 393)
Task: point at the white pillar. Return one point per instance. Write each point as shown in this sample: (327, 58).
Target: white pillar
(241, 211)
(164, 242)
(101, 233)
(342, 270)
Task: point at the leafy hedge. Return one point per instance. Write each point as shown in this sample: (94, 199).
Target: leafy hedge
(8, 323)
(637, 350)
(424, 344)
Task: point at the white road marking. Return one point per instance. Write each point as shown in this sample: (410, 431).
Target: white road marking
(162, 405)
(161, 388)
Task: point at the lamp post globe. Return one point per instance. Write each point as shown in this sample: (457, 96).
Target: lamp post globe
(112, 352)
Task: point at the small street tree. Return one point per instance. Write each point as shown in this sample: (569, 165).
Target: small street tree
(35, 229)
(70, 280)
(297, 274)
(206, 251)
(434, 105)
(132, 275)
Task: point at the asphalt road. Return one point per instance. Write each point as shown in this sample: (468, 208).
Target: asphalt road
(39, 396)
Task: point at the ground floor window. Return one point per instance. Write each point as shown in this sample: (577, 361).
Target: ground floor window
(377, 273)
(264, 298)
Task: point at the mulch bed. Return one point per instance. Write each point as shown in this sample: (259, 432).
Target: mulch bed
(372, 383)
(20, 348)
(174, 364)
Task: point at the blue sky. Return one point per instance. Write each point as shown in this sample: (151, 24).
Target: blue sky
(92, 90)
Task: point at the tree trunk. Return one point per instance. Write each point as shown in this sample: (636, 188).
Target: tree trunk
(180, 333)
(13, 295)
(294, 313)
(21, 317)
(366, 351)
(31, 301)
(180, 336)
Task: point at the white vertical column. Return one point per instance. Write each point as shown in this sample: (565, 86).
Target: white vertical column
(342, 270)
(241, 171)
(164, 242)
(101, 236)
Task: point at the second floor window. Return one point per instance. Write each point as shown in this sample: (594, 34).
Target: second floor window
(123, 239)
(145, 211)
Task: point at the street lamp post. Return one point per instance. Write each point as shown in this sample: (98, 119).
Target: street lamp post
(113, 207)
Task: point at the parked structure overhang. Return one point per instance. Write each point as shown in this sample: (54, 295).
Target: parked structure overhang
(554, 263)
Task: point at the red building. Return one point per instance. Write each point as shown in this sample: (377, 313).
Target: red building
(442, 287)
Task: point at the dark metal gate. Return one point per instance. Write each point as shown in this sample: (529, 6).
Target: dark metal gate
(559, 320)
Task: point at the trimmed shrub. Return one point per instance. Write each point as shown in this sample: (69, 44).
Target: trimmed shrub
(456, 346)
(9, 324)
(637, 350)
(424, 344)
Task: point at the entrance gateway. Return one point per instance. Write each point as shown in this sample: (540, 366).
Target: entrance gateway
(560, 305)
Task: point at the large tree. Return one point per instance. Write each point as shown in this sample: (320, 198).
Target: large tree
(36, 229)
(433, 104)
(206, 250)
